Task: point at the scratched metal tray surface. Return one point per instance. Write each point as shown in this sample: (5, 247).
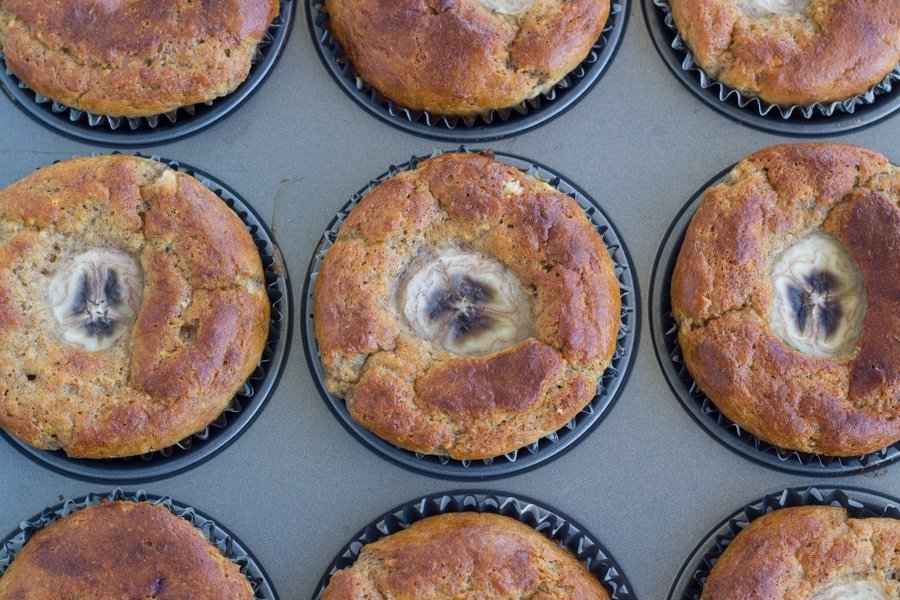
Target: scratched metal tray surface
(296, 486)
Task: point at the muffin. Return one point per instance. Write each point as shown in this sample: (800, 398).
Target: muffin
(787, 298)
(122, 550)
(792, 52)
(809, 553)
(465, 57)
(465, 309)
(136, 58)
(465, 555)
(132, 307)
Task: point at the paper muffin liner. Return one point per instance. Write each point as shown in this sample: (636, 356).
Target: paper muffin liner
(759, 106)
(608, 386)
(57, 115)
(860, 504)
(704, 411)
(231, 547)
(552, 523)
(244, 406)
(483, 126)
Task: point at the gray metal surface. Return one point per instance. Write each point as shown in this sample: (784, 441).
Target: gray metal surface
(296, 486)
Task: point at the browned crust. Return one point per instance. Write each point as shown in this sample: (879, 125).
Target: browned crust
(798, 552)
(465, 555)
(834, 50)
(722, 295)
(122, 550)
(132, 58)
(419, 396)
(198, 336)
(457, 57)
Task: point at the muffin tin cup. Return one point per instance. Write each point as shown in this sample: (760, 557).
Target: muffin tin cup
(219, 536)
(157, 129)
(493, 125)
(246, 404)
(865, 109)
(664, 332)
(548, 447)
(860, 503)
(552, 523)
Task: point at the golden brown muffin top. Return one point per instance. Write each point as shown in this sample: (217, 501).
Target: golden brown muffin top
(809, 553)
(825, 216)
(465, 555)
(465, 57)
(466, 308)
(793, 52)
(132, 57)
(132, 306)
(122, 550)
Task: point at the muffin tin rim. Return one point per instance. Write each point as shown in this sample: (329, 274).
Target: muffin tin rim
(96, 498)
(124, 137)
(668, 251)
(454, 469)
(136, 470)
(460, 496)
(480, 133)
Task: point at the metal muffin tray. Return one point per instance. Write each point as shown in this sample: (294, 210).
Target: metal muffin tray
(698, 405)
(156, 129)
(548, 447)
(246, 404)
(225, 541)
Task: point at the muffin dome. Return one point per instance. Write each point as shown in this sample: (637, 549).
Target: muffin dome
(122, 550)
(792, 52)
(787, 300)
(466, 309)
(132, 58)
(465, 57)
(132, 307)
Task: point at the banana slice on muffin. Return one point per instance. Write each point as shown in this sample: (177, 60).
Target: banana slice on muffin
(132, 307)
(465, 57)
(809, 553)
(788, 302)
(466, 309)
(792, 52)
(132, 58)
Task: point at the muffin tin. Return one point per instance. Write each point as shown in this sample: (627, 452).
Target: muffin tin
(220, 537)
(562, 529)
(246, 404)
(695, 402)
(156, 129)
(859, 503)
(546, 448)
(832, 118)
(497, 124)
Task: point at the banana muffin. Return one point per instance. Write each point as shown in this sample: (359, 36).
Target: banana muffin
(466, 309)
(809, 553)
(122, 550)
(132, 307)
(465, 555)
(792, 52)
(465, 57)
(788, 302)
(132, 58)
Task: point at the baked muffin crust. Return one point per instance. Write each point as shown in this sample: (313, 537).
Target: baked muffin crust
(792, 52)
(465, 555)
(723, 298)
(809, 553)
(195, 336)
(122, 550)
(132, 58)
(465, 57)
(423, 395)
